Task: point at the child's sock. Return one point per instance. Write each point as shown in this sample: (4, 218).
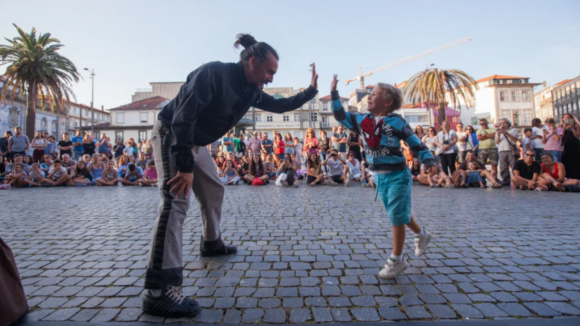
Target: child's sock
(422, 232)
(396, 258)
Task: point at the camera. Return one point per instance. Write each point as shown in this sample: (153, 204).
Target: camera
(569, 121)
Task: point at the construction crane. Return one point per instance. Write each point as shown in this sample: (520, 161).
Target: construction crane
(362, 75)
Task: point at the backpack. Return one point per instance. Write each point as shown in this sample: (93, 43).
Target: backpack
(257, 182)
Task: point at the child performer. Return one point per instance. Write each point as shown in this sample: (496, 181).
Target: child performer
(381, 131)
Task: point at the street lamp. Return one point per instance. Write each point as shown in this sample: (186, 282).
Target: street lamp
(92, 101)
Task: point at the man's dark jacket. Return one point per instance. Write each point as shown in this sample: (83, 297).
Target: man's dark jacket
(212, 101)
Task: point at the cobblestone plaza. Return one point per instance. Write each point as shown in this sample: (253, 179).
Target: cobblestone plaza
(305, 255)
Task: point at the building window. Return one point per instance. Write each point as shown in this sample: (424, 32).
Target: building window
(120, 117)
(54, 125)
(142, 135)
(304, 116)
(516, 119)
(258, 117)
(286, 118)
(325, 106)
(296, 117)
(97, 135)
(503, 96)
(119, 135)
(527, 117)
(314, 116)
(526, 96)
(515, 96)
(43, 123)
(143, 116)
(269, 118)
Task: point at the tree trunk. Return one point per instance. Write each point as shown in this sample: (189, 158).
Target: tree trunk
(441, 113)
(31, 111)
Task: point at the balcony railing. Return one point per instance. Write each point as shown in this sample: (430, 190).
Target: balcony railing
(323, 125)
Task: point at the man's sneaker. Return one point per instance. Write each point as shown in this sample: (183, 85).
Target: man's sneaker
(140, 184)
(296, 184)
(421, 243)
(284, 184)
(392, 268)
(365, 185)
(331, 183)
(216, 248)
(171, 303)
(348, 179)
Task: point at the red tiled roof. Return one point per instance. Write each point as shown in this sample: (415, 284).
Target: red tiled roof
(146, 104)
(563, 82)
(500, 77)
(327, 98)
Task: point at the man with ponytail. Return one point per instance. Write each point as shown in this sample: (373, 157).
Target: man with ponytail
(211, 102)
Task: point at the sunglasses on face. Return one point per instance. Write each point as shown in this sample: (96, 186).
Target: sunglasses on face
(531, 155)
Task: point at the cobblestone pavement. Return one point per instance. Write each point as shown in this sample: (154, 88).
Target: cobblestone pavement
(305, 255)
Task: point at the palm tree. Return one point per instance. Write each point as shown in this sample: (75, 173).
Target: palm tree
(35, 66)
(440, 87)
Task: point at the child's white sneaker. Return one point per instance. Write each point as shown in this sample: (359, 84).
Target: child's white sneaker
(394, 268)
(421, 243)
(348, 179)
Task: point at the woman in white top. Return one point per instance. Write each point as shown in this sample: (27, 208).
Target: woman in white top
(39, 144)
(446, 140)
(461, 142)
(430, 140)
(353, 169)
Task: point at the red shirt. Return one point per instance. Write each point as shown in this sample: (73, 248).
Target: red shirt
(279, 150)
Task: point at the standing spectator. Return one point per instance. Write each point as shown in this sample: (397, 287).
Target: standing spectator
(255, 144)
(51, 147)
(461, 142)
(109, 176)
(240, 145)
(505, 138)
(104, 146)
(81, 175)
(227, 143)
(150, 175)
(134, 146)
(354, 145)
(289, 146)
(128, 149)
(88, 146)
(310, 142)
(257, 170)
(314, 168)
(487, 146)
(527, 171)
(148, 148)
(119, 149)
(323, 146)
(471, 144)
(446, 140)
(16, 178)
(78, 150)
(57, 175)
(279, 146)
(298, 150)
(230, 176)
(538, 135)
(96, 168)
(339, 142)
(132, 176)
(65, 146)
(554, 174)
(419, 132)
(527, 142)
(18, 144)
(571, 145)
(38, 144)
(335, 165)
(267, 145)
(430, 139)
(4, 144)
(552, 139)
(45, 166)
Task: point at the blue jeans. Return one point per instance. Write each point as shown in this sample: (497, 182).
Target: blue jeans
(557, 155)
(323, 156)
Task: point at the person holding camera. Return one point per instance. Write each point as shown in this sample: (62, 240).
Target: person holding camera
(552, 139)
(506, 137)
(335, 165)
(446, 140)
(487, 147)
(571, 144)
(104, 146)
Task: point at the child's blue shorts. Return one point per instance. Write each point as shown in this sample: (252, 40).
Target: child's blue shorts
(395, 189)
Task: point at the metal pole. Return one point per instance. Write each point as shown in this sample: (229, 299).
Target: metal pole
(254, 118)
(92, 101)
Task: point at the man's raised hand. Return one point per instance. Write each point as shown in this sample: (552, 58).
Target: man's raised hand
(333, 84)
(314, 82)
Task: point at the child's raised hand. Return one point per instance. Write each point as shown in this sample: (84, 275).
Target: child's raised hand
(333, 83)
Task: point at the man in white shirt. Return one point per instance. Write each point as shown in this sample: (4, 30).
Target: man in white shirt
(505, 137)
(335, 165)
(537, 132)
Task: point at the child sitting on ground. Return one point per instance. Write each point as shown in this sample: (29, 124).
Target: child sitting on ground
(381, 131)
(132, 176)
(35, 176)
(474, 178)
(109, 175)
(81, 175)
(150, 175)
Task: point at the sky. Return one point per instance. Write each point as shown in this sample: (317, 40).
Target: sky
(130, 43)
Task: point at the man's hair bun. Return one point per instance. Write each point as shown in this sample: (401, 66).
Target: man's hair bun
(245, 40)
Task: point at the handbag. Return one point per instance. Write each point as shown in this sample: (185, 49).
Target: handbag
(514, 148)
(257, 182)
